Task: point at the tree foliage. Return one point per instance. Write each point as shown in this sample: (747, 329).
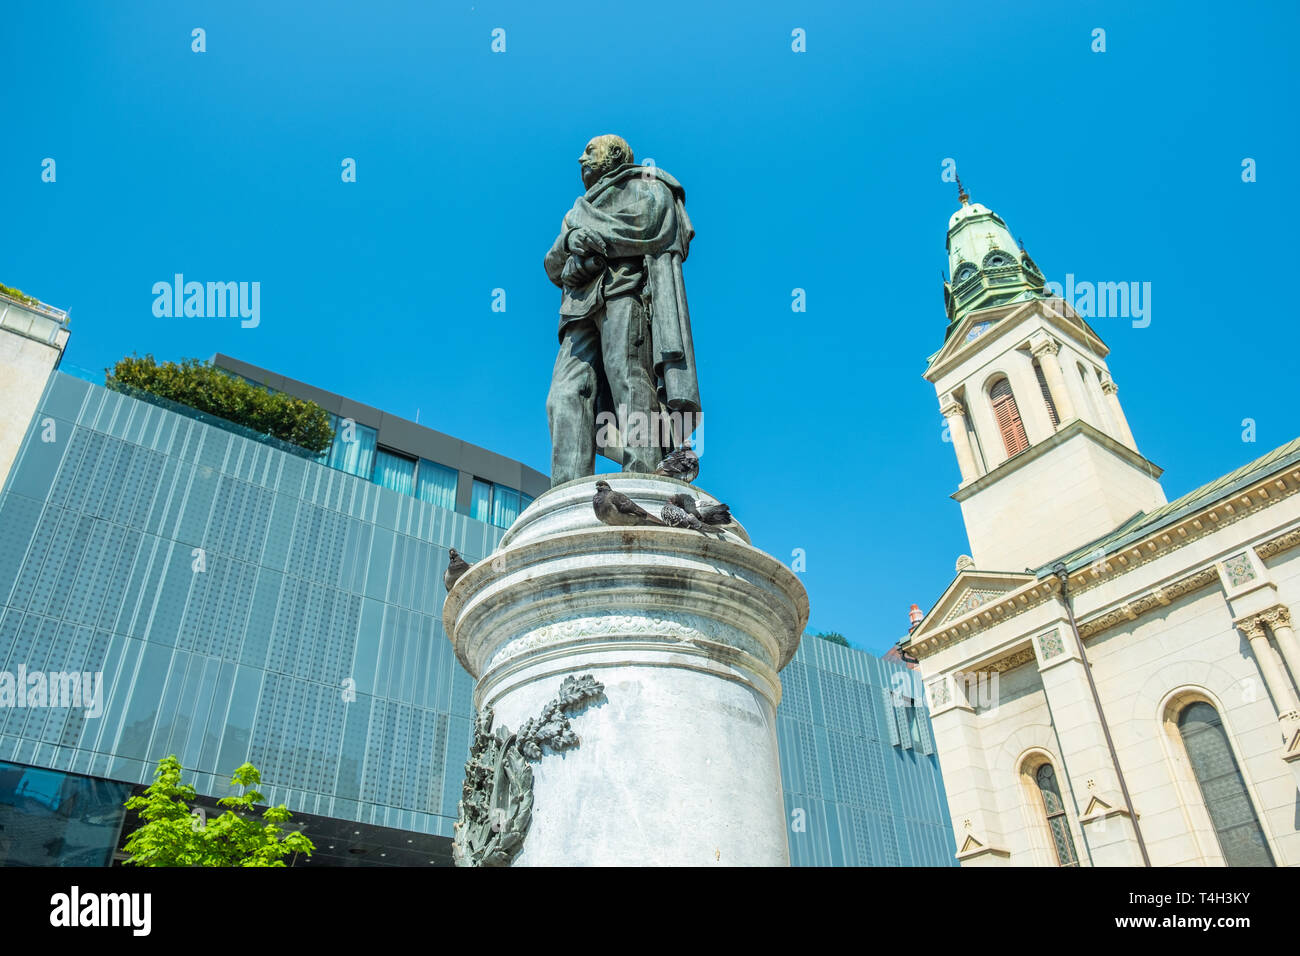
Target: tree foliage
(835, 637)
(172, 836)
(201, 386)
(18, 294)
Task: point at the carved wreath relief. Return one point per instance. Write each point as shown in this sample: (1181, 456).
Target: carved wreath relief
(496, 805)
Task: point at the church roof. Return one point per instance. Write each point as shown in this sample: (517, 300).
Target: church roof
(1144, 523)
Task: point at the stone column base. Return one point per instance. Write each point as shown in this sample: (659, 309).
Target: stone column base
(675, 762)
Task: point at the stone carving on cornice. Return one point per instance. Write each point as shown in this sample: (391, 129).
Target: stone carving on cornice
(1046, 347)
(986, 615)
(1108, 386)
(950, 407)
(1005, 663)
(1154, 598)
(1169, 539)
(1283, 542)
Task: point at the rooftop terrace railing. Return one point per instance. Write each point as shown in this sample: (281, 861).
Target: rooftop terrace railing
(209, 419)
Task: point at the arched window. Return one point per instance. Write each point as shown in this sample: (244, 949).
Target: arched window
(1007, 415)
(1057, 822)
(1047, 394)
(1222, 787)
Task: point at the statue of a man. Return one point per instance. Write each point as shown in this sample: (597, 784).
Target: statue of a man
(624, 382)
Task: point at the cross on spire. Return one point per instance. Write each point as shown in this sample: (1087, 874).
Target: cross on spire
(961, 193)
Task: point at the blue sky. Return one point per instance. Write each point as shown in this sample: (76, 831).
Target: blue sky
(817, 170)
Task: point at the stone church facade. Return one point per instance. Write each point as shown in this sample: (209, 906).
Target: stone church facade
(1112, 677)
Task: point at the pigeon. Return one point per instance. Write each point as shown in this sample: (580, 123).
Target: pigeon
(616, 508)
(455, 568)
(675, 516)
(718, 514)
(682, 463)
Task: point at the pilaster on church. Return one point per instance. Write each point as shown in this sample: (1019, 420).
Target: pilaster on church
(952, 410)
(1048, 353)
(1256, 627)
(1085, 752)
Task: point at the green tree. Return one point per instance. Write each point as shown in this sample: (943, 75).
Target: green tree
(835, 637)
(172, 836)
(201, 386)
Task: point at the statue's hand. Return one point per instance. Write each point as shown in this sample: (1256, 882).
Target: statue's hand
(584, 243)
(578, 270)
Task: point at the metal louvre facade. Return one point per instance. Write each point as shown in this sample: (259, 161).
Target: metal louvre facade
(241, 604)
(858, 767)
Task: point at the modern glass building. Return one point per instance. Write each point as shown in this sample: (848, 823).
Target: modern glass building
(858, 767)
(245, 601)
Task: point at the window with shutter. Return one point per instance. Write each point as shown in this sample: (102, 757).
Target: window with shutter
(1047, 394)
(1008, 418)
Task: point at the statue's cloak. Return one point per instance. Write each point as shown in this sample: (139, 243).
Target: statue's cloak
(639, 212)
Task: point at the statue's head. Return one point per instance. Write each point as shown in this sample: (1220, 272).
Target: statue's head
(603, 153)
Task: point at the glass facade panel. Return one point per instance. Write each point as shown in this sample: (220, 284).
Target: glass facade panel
(436, 484)
(353, 449)
(50, 818)
(480, 500)
(393, 471)
(505, 506)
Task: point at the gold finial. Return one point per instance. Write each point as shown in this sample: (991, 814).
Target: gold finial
(961, 193)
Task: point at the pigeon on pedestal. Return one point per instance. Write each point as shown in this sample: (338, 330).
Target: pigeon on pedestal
(682, 463)
(455, 568)
(614, 507)
(718, 514)
(675, 516)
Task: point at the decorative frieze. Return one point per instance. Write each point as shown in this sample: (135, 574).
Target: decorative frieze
(1007, 661)
(1282, 542)
(1156, 597)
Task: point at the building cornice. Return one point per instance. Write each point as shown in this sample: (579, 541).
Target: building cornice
(1029, 596)
(1269, 490)
(1075, 427)
(1196, 525)
(1005, 320)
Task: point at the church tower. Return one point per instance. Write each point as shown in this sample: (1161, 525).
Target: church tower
(1048, 463)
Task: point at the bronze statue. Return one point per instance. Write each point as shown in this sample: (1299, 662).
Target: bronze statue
(624, 382)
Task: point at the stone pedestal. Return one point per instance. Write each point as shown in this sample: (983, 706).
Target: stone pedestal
(676, 762)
